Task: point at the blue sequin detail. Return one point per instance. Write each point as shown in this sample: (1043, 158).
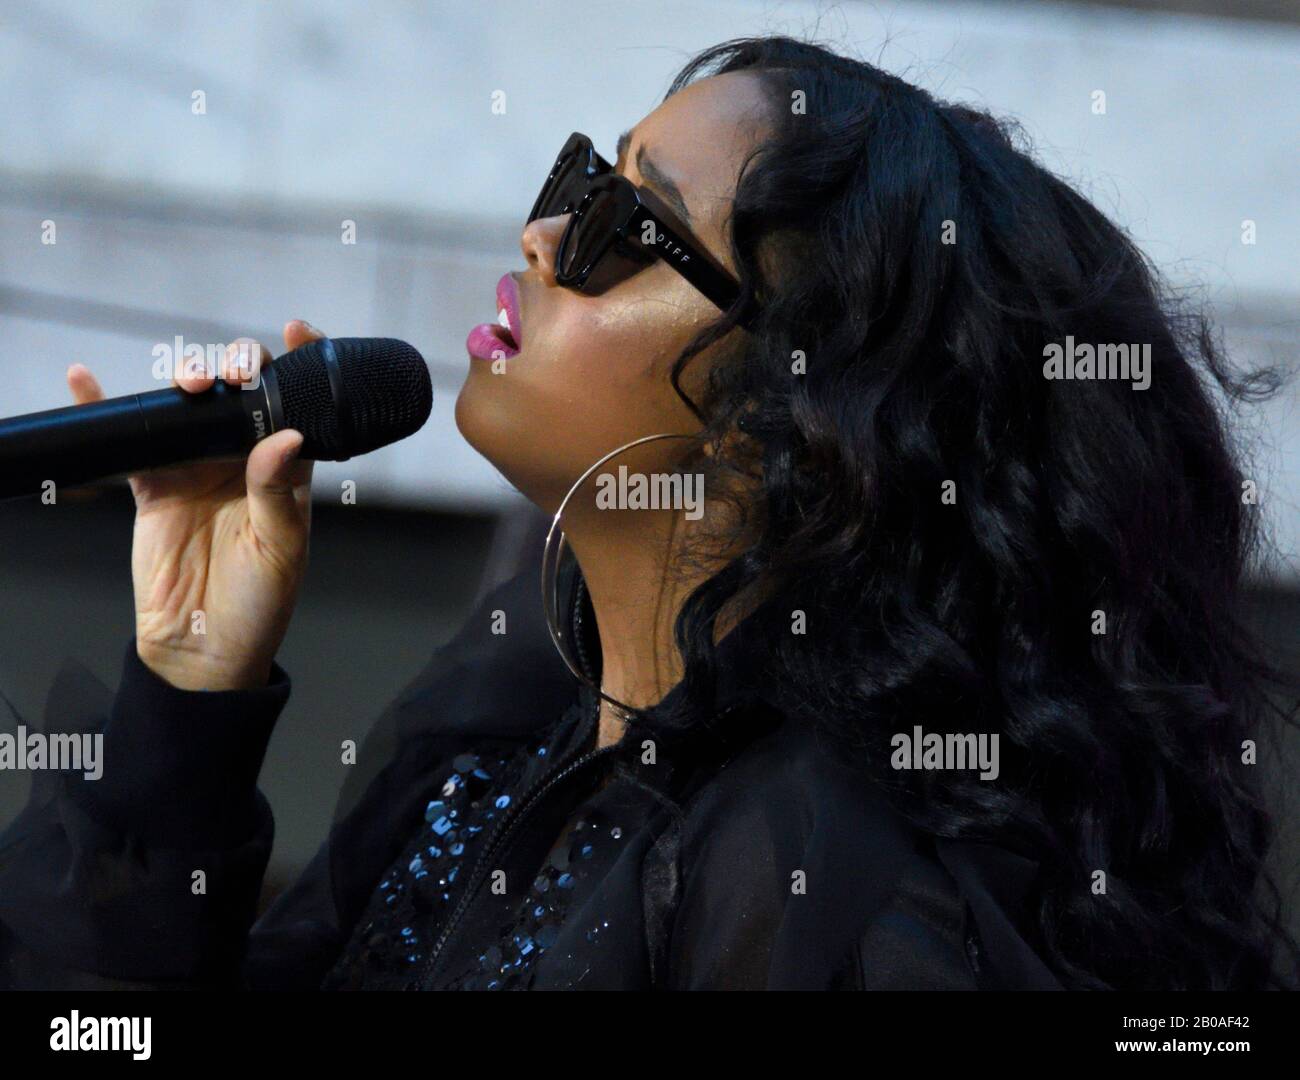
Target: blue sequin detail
(411, 903)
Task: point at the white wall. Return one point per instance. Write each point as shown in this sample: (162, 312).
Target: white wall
(228, 223)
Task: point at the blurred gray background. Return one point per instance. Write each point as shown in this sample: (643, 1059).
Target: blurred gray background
(430, 127)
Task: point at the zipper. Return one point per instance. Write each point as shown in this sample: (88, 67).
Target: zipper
(505, 828)
(512, 818)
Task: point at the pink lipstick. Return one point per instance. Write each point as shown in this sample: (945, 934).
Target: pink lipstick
(502, 339)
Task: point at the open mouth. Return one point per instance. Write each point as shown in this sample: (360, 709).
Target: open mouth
(502, 329)
(491, 341)
(499, 340)
(508, 310)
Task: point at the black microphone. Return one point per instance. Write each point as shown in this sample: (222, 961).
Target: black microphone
(347, 396)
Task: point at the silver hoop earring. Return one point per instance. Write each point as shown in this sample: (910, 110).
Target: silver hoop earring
(551, 555)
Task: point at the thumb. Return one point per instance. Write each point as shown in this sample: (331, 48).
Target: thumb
(279, 489)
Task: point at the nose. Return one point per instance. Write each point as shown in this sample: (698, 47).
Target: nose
(539, 242)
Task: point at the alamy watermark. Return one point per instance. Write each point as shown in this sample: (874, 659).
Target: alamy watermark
(1088, 361)
(178, 358)
(67, 752)
(119, 1033)
(651, 491)
(948, 751)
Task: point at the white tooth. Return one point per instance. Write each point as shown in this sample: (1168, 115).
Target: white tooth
(503, 319)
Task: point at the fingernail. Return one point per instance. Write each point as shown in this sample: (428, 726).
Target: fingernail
(309, 326)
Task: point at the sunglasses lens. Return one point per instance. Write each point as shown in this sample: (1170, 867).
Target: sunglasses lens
(542, 206)
(565, 186)
(589, 234)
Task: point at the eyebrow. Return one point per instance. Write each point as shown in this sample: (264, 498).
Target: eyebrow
(656, 176)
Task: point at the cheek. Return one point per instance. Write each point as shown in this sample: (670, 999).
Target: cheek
(594, 374)
(617, 358)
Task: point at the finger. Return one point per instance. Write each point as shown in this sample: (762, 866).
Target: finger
(300, 477)
(299, 332)
(243, 361)
(278, 486)
(85, 389)
(195, 374)
(84, 386)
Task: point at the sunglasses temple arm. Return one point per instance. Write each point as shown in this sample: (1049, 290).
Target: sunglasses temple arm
(688, 260)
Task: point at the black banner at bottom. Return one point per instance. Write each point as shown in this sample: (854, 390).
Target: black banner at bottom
(148, 1028)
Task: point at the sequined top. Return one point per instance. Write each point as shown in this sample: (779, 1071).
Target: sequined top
(422, 890)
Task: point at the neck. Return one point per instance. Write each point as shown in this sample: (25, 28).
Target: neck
(638, 578)
(636, 588)
(639, 567)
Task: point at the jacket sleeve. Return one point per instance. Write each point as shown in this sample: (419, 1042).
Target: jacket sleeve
(148, 877)
(147, 873)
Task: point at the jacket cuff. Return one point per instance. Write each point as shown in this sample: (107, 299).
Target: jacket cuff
(179, 767)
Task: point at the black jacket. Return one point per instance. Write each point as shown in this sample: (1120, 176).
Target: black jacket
(493, 848)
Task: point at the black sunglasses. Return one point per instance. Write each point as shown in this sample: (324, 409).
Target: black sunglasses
(618, 229)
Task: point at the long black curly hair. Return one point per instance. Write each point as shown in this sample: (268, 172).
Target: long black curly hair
(1080, 589)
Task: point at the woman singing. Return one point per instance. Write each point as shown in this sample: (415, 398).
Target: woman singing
(890, 635)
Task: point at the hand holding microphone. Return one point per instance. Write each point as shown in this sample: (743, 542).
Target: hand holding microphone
(228, 538)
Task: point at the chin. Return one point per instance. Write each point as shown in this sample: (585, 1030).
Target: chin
(465, 411)
(479, 419)
(496, 433)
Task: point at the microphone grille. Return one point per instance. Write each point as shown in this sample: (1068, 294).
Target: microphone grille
(386, 390)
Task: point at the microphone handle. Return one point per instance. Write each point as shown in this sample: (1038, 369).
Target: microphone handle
(79, 444)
